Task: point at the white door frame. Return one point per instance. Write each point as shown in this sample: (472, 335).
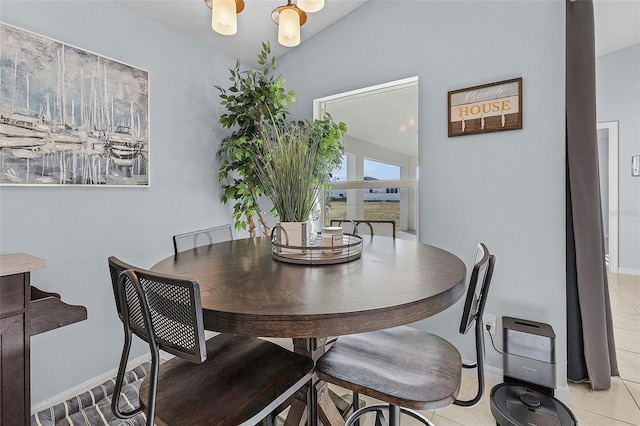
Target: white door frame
(319, 109)
(612, 128)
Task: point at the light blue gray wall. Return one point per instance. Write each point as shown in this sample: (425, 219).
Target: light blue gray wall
(76, 229)
(618, 98)
(505, 189)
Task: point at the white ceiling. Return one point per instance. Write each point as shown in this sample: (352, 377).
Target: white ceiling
(193, 18)
(617, 25)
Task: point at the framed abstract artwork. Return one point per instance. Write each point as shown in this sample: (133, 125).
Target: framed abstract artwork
(70, 117)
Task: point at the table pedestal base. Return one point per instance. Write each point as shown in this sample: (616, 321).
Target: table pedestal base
(322, 404)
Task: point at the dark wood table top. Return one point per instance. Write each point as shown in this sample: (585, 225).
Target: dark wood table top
(245, 291)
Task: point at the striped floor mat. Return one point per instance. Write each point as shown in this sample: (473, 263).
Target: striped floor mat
(94, 406)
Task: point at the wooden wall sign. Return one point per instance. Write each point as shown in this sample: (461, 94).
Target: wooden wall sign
(487, 108)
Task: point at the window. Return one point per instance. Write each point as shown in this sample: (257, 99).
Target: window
(377, 179)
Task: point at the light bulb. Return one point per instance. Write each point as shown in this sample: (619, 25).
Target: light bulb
(310, 5)
(224, 19)
(289, 28)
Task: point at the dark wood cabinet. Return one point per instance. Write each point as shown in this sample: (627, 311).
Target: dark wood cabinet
(24, 312)
(15, 297)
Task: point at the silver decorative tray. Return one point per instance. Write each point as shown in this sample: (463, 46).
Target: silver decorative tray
(316, 254)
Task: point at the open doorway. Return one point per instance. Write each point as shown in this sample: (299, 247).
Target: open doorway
(608, 167)
(378, 177)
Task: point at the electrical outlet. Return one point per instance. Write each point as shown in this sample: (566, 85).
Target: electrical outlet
(490, 321)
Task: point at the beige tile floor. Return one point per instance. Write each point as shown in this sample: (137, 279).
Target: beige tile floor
(617, 406)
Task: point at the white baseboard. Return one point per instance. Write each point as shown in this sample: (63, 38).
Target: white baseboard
(491, 374)
(92, 383)
(83, 387)
(628, 271)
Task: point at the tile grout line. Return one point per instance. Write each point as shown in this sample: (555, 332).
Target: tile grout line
(631, 393)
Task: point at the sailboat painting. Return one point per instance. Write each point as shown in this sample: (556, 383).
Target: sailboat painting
(68, 116)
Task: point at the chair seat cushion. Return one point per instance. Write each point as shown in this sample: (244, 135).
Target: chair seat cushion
(401, 366)
(242, 380)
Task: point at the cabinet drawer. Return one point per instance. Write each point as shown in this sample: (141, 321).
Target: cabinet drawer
(12, 297)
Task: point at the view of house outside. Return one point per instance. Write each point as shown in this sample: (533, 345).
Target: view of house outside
(379, 203)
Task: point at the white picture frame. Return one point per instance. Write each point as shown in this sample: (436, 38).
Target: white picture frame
(70, 117)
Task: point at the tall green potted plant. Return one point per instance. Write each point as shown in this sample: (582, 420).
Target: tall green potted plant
(257, 96)
(254, 95)
(294, 165)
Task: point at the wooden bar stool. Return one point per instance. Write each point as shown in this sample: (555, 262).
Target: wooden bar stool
(227, 380)
(410, 369)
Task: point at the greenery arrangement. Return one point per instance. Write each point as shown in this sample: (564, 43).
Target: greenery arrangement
(256, 101)
(252, 96)
(294, 164)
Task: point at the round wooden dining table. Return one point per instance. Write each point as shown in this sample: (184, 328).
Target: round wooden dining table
(245, 291)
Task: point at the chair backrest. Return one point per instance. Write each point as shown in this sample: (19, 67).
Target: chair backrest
(116, 267)
(165, 311)
(202, 237)
(381, 228)
(472, 312)
(478, 287)
(347, 225)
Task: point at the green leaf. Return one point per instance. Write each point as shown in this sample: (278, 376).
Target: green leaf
(253, 96)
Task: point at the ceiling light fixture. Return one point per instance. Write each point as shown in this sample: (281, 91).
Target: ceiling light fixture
(289, 19)
(311, 6)
(224, 15)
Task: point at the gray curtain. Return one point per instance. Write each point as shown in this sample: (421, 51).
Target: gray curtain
(590, 343)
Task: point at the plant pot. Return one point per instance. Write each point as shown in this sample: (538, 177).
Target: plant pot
(295, 234)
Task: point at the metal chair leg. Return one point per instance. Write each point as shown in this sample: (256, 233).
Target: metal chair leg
(380, 419)
(115, 400)
(395, 413)
(355, 402)
(362, 411)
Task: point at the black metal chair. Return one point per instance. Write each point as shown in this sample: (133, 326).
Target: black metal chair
(202, 237)
(227, 379)
(410, 369)
(381, 228)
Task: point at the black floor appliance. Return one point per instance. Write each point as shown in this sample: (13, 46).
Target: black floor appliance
(526, 398)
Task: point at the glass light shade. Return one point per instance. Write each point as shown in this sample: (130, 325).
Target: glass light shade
(289, 28)
(310, 5)
(224, 19)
